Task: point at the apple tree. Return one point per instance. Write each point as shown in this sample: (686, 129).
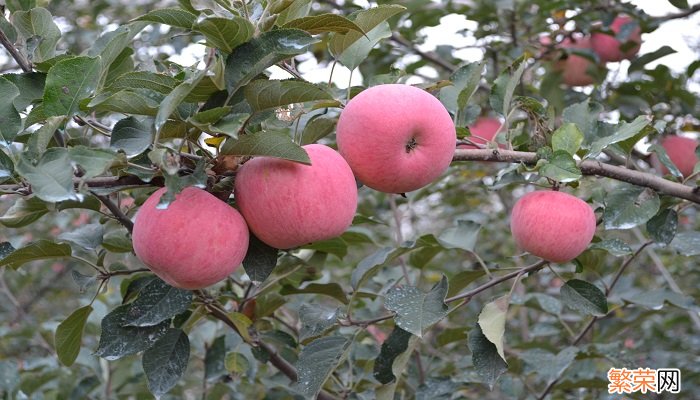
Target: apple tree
(513, 213)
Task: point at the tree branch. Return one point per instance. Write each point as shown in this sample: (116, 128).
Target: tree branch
(590, 323)
(24, 64)
(116, 211)
(589, 167)
(428, 56)
(683, 14)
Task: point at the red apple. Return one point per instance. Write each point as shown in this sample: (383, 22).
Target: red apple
(483, 130)
(396, 138)
(681, 150)
(608, 47)
(288, 204)
(197, 241)
(576, 70)
(555, 226)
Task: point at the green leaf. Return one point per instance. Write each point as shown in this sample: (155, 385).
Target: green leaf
(437, 389)
(10, 120)
(109, 46)
(628, 206)
(39, 250)
(462, 279)
(488, 363)
(354, 54)
(69, 82)
(663, 226)
(683, 4)
(125, 102)
(367, 20)
(624, 131)
(69, 334)
(584, 297)
(7, 165)
(251, 58)
(465, 81)
(317, 128)
(117, 243)
(236, 363)
(463, 236)
(639, 63)
(560, 167)
(24, 212)
(157, 302)
(260, 260)
(687, 243)
(165, 363)
(616, 247)
(415, 310)
(117, 340)
(131, 136)
(492, 321)
(31, 88)
(396, 344)
(321, 23)
(317, 361)
(52, 177)
(665, 160)
(295, 10)
(171, 102)
(656, 299)
(585, 116)
(36, 25)
(315, 320)
(264, 94)
(504, 87)
(270, 144)
(225, 33)
(332, 289)
(9, 371)
(88, 236)
(170, 16)
(549, 366)
(160, 83)
(370, 264)
(40, 139)
(92, 162)
(567, 138)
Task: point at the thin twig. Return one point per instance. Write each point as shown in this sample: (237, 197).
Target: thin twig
(116, 211)
(593, 320)
(23, 64)
(683, 14)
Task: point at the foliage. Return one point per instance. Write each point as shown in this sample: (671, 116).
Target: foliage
(425, 295)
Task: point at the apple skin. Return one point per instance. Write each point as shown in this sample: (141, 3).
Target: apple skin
(574, 68)
(483, 130)
(555, 226)
(288, 204)
(396, 138)
(681, 150)
(197, 241)
(608, 48)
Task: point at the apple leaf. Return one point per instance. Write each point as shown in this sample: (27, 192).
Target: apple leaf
(492, 321)
(170, 16)
(317, 361)
(260, 260)
(39, 250)
(629, 206)
(687, 243)
(118, 340)
(156, 303)
(68, 83)
(24, 212)
(639, 63)
(322, 23)
(263, 94)
(69, 334)
(463, 236)
(415, 310)
(665, 160)
(160, 83)
(11, 120)
(131, 136)
(236, 363)
(547, 365)
(52, 177)
(567, 138)
(396, 344)
(87, 236)
(561, 167)
(488, 363)
(367, 20)
(615, 246)
(225, 33)
(317, 128)
(166, 361)
(270, 144)
(315, 320)
(37, 25)
(625, 130)
(584, 297)
(662, 227)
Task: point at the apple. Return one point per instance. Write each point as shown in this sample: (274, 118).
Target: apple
(396, 138)
(483, 130)
(196, 241)
(608, 47)
(681, 150)
(576, 70)
(552, 225)
(288, 204)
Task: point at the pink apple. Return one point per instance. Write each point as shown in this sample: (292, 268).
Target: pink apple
(576, 70)
(608, 47)
(197, 241)
(555, 226)
(483, 130)
(288, 204)
(396, 138)
(681, 150)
